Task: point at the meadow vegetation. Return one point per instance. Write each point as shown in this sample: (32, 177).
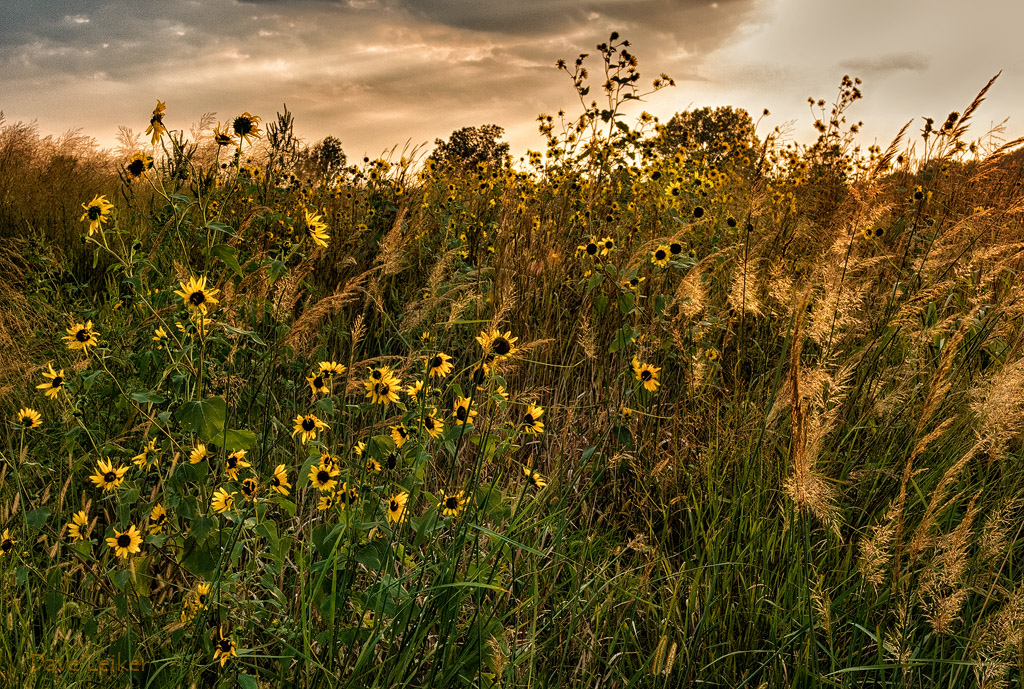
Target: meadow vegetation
(662, 404)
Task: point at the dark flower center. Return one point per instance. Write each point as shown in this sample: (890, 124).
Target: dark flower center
(323, 476)
(109, 477)
(197, 298)
(392, 460)
(436, 362)
(232, 462)
(308, 424)
(383, 389)
(203, 598)
(675, 247)
(275, 481)
(401, 431)
(318, 382)
(225, 645)
(376, 375)
(659, 255)
(83, 335)
(158, 519)
(502, 346)
(6, 545)
(56, 382)
(528, 420)
(243, 126)
(460, 413)
(95, 212)
(591, 248)
(645, 375)
(428, 423)
(451, 503)
(136, 167)
(609, 244)
(393, 505)
(124, 540)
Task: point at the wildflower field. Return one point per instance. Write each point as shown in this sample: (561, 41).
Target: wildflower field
(663, 404)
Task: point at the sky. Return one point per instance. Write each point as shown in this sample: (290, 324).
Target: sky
(381, 73)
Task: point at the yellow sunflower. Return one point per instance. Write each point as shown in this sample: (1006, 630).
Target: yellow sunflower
(6, 542)
(54, 382)
(400, 434)
(156, 122)
(28, 418)
(125, 543)
(439, 365)
(660, 256)
(149, 456)
(497, 343)
(531, 420)
(307, 426)
(234, 462)
(332, 368)
(325, 502)
(317, 228)
(319, 383)
(81, 336)
(396, 507)
(384, 390)
(196, 295)
(157, 518)
(224, 649)
(463, 414)
(246, 127)
(534, 479)
(139, 164)
(432, 425)
(222, 501)
(646, 374)
(250, 487)
(279, 481)
(106, 476)
(198, 454)
(452, 504)
(78, 525)
(96, 213)
(324, 477)
(222, 137)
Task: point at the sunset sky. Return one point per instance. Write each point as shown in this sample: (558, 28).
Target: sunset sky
(380, 72)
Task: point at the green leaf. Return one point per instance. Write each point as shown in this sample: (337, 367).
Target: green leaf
(148, 397)
(623, 338)
(247, 681)
(237, 440)
(247, 333)
(36, 518)
(228, 255)
(205, 418)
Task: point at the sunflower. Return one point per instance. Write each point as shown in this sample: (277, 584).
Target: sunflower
(462, 412)
(125, 543)
(324, 477)
(234, 462)
(501, 345)
(106, 476)
(224, 649)
(452, 504)
(319, 383)
(414, 389)
(646, 374)
(196, 295)
(279, 481)
(54, 382)
(479, 374)
(383, 391)
(308, 425)
(149, 456)
(590, 248)
(531, 421)
(157, 518)
(432, 425)
(332, 368)
(317, 228)
(198, 454)
(396, 507)
(6, 542)
(139, 164)
(534, 479)
(222, 137)
(246, 127)
(607, 245)
(632, 282)
(81, 336)
(160, 337)
(675, 248)
(77, 526)
(96, 213)
(196, 601)
(28, 418)
(222, 501)
(391, 461)
(156, 122)
(660, 256)
(711, 354)
(325, 502)
(250, 487)
(439, 365)
(372, 465)
(348, 496)
(400, 434)
(359, 448)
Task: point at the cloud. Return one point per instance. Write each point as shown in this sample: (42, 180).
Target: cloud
(880, 65)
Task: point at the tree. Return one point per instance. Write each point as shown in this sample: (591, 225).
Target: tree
(472, 145)
(326, 157)
(714, 132)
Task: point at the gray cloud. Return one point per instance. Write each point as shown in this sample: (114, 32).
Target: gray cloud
(881, 65)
